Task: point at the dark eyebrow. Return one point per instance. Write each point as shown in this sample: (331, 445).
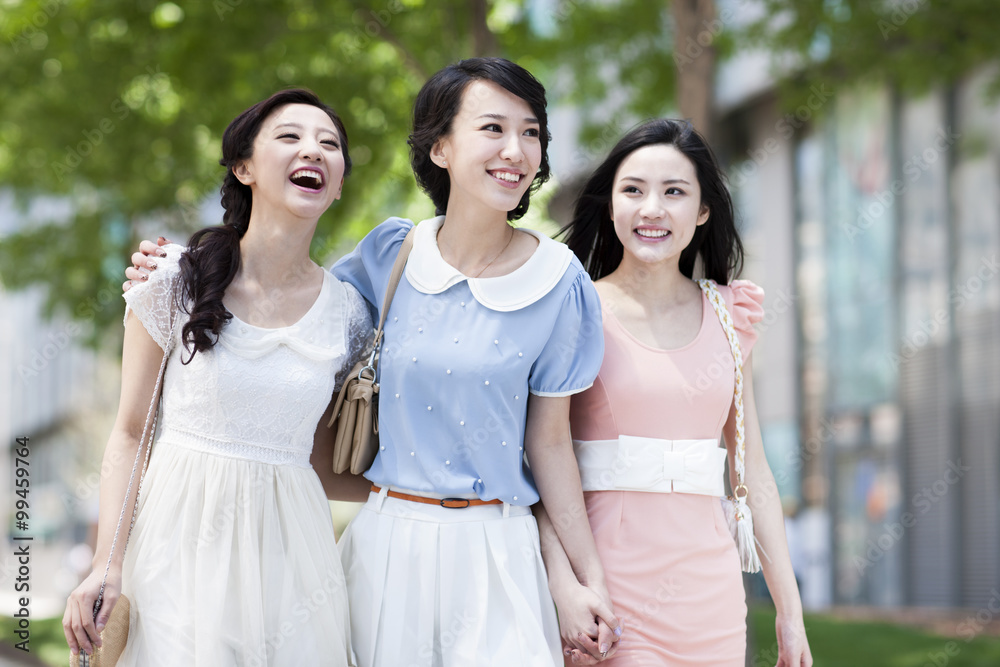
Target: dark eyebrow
(669, 181)
(498, 116)
(299, 127)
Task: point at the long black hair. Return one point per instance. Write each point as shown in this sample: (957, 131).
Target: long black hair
(213, 255)
(440, 100)
(591, 233)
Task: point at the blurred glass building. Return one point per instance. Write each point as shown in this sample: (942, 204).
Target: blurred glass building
(872, 219)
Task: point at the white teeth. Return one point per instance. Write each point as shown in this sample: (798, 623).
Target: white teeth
(318, 175)
(507, 176)
(652, 233)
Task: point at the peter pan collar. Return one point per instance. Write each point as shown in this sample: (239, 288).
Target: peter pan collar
(427, 271)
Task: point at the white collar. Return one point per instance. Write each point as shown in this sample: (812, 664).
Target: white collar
(427, 271)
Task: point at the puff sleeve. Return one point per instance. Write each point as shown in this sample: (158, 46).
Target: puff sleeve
(368, 266)
(153, 301)
(572, 356)
(746, 303)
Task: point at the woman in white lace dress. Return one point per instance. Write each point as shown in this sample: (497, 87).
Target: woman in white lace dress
(232, 560)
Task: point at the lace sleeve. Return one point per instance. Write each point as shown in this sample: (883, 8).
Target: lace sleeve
(358, 331)
(153, 301)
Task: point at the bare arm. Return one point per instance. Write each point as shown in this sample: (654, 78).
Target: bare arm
(579, 607)
(553, 464)
(141, 358)
(353, 488)
(769, 529)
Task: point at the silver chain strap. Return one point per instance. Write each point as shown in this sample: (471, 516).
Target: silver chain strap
(148, 429)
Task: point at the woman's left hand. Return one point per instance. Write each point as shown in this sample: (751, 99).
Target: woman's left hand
(793, 646)
(585, 633)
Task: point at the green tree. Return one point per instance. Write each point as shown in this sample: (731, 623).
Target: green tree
(912, 44)
(117, 107)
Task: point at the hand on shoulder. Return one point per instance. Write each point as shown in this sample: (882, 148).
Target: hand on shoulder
(144, 262)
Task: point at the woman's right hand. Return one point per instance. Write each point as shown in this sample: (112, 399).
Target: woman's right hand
(82, 631)
(583, 616)
(143, 262)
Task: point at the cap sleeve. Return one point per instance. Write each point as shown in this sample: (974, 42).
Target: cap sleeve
(153, 301)
(572, 357)
(358, 331)
(746, 303)
(368, 266)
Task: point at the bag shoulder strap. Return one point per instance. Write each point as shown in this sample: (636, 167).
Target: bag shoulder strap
(390, 289)
(719, 305)
(145, 442)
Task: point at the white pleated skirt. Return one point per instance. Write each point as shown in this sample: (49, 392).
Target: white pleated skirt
(436, 587)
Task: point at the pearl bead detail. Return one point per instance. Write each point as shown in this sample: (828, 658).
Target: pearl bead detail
(429, 408)
(496, 342)
(413, 453)
(487, 383)
(461, 423)
(448, 371)
(447, 463)
(414, 358)
(515, 497)
(397, 395)
(504, 443)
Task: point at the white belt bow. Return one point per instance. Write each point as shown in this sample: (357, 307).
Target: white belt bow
(632, 463)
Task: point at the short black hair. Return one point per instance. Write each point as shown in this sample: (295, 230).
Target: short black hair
(440, 100)
(591, 233)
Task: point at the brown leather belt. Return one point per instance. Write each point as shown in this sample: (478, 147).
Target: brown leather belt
(451, 503)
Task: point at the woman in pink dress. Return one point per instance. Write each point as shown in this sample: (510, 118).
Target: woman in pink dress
(647, 433)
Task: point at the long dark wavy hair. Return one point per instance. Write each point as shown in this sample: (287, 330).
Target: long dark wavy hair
(440, 100)
(213, 254)
(591, 233)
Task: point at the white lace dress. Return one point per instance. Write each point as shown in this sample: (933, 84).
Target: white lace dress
(233, 560)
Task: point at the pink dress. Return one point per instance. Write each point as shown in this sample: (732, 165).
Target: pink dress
(670, 561)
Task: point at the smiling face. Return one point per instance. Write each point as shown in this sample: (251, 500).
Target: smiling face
(492, 152)
(656, 203)
(297, 165)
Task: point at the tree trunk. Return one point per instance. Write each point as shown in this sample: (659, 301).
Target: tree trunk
(484, 42)
(695, 30)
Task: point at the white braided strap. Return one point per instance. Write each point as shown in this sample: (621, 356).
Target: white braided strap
(746, 543)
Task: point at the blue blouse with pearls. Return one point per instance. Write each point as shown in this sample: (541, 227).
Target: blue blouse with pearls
(461, 355)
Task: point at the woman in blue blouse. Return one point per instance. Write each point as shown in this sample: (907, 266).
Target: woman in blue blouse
(491, 332)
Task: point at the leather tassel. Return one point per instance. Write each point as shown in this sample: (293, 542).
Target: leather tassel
(746, 543)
